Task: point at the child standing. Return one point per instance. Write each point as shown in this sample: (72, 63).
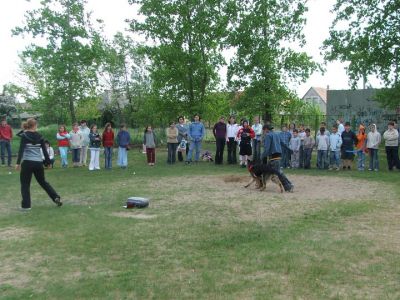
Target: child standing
(391, 137)
(63, 144)
(285, 137)
(302, 135)
(108, 144)
(76, 139)
(373, 141)
(322, 147)
(50, 152)
(308, 145)
(294, 146)
(123, 139)
(335, 142)
(245, 134)
(361, 148)
(149, 140)
(94, 146)
(172, 142)
(349, 139)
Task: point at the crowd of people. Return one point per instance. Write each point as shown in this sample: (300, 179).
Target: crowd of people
(291, 147)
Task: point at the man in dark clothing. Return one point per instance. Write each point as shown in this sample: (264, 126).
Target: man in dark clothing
(219, 132)
(273, 152)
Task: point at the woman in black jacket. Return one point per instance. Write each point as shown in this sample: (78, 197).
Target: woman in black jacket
(32, 163)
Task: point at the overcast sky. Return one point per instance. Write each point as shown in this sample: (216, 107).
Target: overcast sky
(114, 12)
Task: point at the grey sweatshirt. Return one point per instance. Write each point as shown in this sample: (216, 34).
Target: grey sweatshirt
(29, 149)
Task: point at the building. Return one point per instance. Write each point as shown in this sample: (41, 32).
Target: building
(317, 96)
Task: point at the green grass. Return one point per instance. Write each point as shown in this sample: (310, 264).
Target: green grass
(202, 240)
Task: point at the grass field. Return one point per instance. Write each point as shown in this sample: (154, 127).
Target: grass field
(202, 237)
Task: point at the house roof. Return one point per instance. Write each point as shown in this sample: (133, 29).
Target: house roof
(321, 92)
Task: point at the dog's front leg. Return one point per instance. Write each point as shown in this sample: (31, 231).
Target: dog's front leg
(250, 182)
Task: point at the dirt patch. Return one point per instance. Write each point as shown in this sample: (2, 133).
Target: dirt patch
(221, 193)
(132, 214)
(14, 233)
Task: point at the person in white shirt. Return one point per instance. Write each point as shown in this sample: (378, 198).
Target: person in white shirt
(84, 129)
(50, 151)
(340, 126)
(231, 132)
(373, 141)
(257, 127)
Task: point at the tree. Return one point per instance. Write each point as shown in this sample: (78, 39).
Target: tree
(265, 62)
(123, 71)
(187, 37)
(62, 65)
(366, 34)
(7, 100)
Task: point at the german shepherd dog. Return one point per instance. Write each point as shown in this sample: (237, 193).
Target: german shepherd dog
(260, 174)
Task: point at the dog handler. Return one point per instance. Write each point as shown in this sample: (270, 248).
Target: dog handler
(32, 163)
(273, 151)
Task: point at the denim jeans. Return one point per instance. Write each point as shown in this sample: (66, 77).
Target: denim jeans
(5, 145)
(108, 151)
(295, 159)
(285, 161)
(360, 160)
(335, 158)
(373, 159)
(307, 158)
(171, 159)
(63, 155)
(122, 157)
(194, 145)
(322, 159)
(256, 150)
(76, 155)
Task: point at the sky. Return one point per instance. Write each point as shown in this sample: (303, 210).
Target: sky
(115, 12)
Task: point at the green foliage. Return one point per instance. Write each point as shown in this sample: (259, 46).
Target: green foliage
(265, 62)
(7, 101)
(366, 34)
(61, 66)
(187, 39)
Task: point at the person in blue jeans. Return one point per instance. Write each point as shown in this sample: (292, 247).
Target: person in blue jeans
(196, 134)
(285, 137)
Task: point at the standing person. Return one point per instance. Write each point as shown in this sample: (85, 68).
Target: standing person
(308, 146)
(273, 152)
(76, 140)
(231, 140)
(373, 142)
(108, 144)
(292, 127)
(322, 149)
(219, 132)
(85, 131)
(349, 139)
(196, 134)
(149, 140)
(285, 137)
(294, 146)
(246, 134)
(50, 152)
(183, 135)
(94, 146)
(6, 134)
(361, 147)
(29, 153)
(302, 135)
(323, 125)
(335, 143)
(257, 128)
(172, 142)
(340, 126)
(63, 144)
(391, 137)
(123, 140)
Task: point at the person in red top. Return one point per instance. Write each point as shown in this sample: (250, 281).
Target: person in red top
(108, 143)
(63, 144)
(245, 135)
(6, 135)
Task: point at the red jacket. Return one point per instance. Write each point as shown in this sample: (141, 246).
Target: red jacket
(248, 130)
(6, 133)
(63, 142)
(108, 138)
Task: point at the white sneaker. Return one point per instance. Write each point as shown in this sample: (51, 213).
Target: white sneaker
(24, 209)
